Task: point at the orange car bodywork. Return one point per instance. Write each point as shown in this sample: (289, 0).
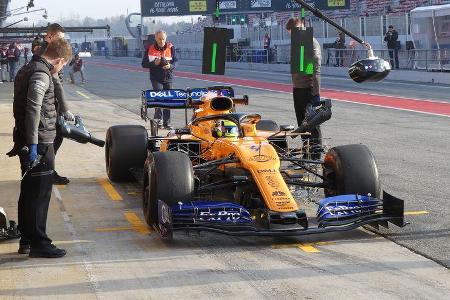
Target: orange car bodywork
(253, 150)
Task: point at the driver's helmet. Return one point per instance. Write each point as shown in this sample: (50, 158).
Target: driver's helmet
(227, 129)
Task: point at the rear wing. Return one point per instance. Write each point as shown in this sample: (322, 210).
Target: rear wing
(183, 99)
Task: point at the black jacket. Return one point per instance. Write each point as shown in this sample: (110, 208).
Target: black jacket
(391, 39)
(61, 103)
(34, 104)
(157, 73)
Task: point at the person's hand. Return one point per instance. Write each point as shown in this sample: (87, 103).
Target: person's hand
(68, 116)
(157, 61)
(315, 100)
(167, 67)
(32, 153)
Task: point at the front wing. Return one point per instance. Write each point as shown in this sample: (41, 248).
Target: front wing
(345, 213)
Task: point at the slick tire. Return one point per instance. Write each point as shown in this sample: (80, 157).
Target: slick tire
(351, 169)
(267, 125)
(126, 148)
(170, 178)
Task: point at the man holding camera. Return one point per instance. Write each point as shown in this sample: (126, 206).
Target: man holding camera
(160, 59)
(391, 38)
(35, 130)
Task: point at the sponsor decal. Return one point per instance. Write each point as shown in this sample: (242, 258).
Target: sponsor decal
(255, 148)
(342, 210)
(261, 158)
(197, 94)
(219, 216)
(278, 193)
(272, 182)
(167, 94)
(265, 171)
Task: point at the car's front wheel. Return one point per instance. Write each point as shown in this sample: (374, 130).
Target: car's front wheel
(170, 178)
(351, 169)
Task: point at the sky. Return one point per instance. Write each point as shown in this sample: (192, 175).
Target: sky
(65, 9)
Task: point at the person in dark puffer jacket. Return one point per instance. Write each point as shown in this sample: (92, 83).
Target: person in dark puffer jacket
(34, 133)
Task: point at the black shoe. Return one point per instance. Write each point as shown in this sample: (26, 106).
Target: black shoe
(168, 127)
(50, 251)
(24, 249)
(60, 179)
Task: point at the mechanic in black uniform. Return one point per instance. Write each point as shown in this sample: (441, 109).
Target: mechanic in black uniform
(56, 31)
(307, 87)
(160, 59)
(35, 130)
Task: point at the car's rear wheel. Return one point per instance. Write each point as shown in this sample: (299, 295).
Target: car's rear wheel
(170, 178)
(267, 125)
(351, 169)
(126, 148)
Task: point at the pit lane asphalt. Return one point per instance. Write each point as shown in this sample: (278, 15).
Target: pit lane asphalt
(124, 262)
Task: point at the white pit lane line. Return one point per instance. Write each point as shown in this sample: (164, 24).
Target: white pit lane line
(93, 282)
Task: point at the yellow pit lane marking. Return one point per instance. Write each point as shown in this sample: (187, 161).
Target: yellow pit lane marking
(113, 229)
(307, 247)
(83, 95)
(60, 186)
(138, 225)
(110, 190)
(416, 213)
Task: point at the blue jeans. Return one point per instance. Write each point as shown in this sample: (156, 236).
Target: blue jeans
(393, 55)
(12, 70)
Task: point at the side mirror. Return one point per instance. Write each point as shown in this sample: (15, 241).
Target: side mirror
(286, 128)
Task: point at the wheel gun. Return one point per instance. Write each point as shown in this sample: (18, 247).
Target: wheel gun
(78, 132)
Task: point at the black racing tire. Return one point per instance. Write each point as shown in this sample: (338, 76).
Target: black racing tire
(267, 125)
(170, 178)
(351, 169)
(126, 148)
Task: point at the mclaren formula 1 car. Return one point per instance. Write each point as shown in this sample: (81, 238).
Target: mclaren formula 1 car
(234, 173)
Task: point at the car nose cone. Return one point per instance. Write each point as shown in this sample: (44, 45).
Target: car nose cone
(369, 69)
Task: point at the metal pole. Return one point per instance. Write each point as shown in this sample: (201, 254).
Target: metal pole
(320, 15)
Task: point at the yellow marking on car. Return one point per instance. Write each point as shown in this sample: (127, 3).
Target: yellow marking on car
(113, 229)
(110, 190)
(83, 95)
(416, 213)
(137, 224)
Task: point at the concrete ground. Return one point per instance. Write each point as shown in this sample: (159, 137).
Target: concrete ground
(113, 254)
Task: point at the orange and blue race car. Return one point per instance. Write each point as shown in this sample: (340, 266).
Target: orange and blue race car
(234, 173)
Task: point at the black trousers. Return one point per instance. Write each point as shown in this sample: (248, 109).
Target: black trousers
(162, 114)
(393, 55)
(302, 97)
(58, 140)
(34, 199)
